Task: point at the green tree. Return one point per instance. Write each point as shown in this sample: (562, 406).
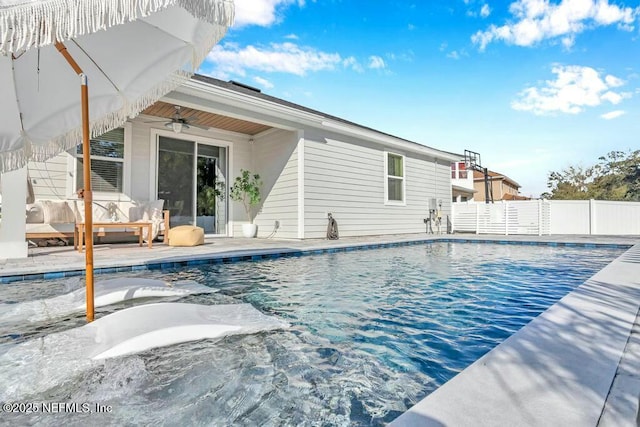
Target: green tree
(616, 176)
(246, 189)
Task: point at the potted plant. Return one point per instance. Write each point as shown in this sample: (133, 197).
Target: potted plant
(246, 189)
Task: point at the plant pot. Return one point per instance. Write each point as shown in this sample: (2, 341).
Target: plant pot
(249, 230)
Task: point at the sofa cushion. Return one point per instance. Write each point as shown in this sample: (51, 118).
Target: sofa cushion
(99, 211)
(55, 212)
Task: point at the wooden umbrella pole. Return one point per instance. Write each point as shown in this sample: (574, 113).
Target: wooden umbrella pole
(87, 195)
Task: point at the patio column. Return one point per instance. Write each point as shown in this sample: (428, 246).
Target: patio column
(13, 226)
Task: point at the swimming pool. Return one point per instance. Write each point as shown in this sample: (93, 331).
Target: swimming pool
(373, 332)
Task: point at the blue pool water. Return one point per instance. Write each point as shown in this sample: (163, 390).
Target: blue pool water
(373, 332)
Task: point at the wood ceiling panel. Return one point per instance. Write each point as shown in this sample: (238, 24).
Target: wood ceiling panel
(203, 118)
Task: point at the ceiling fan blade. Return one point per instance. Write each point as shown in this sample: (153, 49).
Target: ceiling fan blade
(198, 126)
(190, 118)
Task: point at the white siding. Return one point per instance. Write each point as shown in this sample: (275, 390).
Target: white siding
(140, 188)
(50, 179)
(345, 177)
(241, 159)
(276, 160)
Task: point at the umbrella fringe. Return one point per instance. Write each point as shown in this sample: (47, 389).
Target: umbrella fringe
(39, 153)
(35, 25)
(221, 12)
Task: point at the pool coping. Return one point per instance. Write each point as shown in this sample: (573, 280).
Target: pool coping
(45, 272)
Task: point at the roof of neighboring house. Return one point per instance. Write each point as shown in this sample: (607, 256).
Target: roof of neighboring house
(495, 176)
(514, 197)
(257, 93)
(464, 190)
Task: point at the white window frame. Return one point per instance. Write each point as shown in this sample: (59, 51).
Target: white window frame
(403, 178)
(72, 166)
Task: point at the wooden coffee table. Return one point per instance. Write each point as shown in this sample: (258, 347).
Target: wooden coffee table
(80, 230)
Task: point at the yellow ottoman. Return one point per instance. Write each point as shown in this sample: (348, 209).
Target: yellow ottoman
(186, 235)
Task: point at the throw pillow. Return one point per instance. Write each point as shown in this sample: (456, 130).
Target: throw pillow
(35, 214)
(154, 209)
(57, 212)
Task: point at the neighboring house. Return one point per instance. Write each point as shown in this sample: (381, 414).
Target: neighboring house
(311, 164)
(501, 186)
(462, 189)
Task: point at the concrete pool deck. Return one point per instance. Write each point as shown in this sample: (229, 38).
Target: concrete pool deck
(577, 364)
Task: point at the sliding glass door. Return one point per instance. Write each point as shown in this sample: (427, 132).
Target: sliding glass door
(211, 189)
(192, 181)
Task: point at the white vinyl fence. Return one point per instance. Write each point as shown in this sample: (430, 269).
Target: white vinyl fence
(544, 217)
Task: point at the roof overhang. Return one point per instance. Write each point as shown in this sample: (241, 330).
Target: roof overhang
(214, 99)
(463, 190)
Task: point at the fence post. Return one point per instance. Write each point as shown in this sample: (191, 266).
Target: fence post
(506, 218)
(453, 217)
(539, 217)
(592, 217)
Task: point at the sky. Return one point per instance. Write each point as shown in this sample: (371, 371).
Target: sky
(534, 86)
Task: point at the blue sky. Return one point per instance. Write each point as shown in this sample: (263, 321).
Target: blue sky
(532, 85)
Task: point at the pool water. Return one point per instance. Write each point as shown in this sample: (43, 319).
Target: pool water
(373, 332)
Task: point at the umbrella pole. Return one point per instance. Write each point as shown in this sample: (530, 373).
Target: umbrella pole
(86, 163)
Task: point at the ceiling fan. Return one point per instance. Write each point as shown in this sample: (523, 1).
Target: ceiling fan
(177, 123)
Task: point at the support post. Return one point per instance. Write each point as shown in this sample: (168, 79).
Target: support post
(13, 226)
(86, 164)
(487, 196)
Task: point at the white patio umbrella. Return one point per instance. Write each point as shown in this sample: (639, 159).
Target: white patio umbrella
(130, 52)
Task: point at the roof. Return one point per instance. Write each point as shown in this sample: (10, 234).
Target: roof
(495, 176)
(250, 91)
(514, 197)
(463, 189)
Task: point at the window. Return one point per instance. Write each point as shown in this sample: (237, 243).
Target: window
(395, 178)
(458, 170)
(107, 162)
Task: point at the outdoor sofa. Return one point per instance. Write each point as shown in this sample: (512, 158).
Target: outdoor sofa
(47, 219)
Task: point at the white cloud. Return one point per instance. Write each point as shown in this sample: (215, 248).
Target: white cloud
(352, 62)
(538, 20)
(260, 12)
(453, 55)
(613, 81)
(613, 114)
(574, 89)
(263, 82)
(291, 37)
(287, 57)
(376, 62)
(485, 10)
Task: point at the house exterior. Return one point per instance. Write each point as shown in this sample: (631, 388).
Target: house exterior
(310, 163)
(501, 186)
(462, 188)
